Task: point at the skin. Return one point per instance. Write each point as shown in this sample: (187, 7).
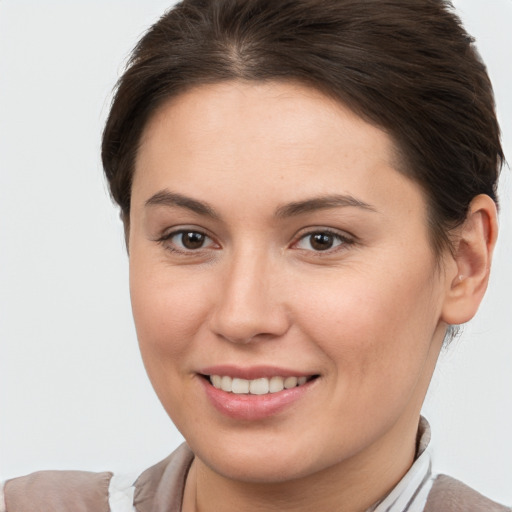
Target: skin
(368, 315)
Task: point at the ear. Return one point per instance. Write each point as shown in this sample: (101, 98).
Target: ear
(468, 274)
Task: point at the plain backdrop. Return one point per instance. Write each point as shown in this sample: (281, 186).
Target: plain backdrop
(73, 391)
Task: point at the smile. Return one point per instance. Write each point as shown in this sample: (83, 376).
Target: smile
(255, 394)
(260, 386)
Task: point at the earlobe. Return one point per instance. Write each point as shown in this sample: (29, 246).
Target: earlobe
(473, 255)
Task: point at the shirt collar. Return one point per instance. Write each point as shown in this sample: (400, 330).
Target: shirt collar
(410, 494)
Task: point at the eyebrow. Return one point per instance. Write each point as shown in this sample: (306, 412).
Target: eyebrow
(321, 203)
(172, 199)
(167, 198)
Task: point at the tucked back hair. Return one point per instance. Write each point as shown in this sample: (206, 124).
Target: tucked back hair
(408, 67)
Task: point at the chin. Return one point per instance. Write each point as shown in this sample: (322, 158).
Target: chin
(256, 466)
(265, 458)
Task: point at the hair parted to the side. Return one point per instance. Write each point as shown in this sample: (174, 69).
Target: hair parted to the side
(408, 67)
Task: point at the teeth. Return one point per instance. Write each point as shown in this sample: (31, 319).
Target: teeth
(290, 382)
(276, 384)
(260, 386)
(240, 386)
(226, 383)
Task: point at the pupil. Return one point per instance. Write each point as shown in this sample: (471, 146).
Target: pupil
(321, 241)
(192, 240)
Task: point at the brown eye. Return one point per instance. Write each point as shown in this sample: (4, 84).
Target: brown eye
(191, 239)
(187, 241)
(322, 241)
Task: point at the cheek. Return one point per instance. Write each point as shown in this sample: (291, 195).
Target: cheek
(167, 316)
(376, 336)
(373, 323)
(166, 310)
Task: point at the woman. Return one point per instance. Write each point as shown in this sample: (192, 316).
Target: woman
(308, 191)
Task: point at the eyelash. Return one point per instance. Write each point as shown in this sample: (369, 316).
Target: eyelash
(166, 239)
(344, 241)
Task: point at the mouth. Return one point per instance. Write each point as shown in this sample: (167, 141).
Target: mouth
(257, 392)
(259, 386)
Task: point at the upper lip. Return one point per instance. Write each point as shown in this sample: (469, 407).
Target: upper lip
(253, 372)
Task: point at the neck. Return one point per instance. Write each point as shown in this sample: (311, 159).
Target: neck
(353, 485)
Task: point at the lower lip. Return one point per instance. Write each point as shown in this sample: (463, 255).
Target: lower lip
(253, 407)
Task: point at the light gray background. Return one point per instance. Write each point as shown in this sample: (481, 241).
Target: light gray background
(73, 392)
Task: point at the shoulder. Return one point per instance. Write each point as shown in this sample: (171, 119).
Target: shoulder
(58, 491)
(450, 495)
(160, 486)
(62, 491)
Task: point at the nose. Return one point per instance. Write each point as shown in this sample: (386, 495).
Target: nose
(249, 305)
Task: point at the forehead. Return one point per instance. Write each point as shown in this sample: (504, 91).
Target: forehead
(297, 111)
(237, 136)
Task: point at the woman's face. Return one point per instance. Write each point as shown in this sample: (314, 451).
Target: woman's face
(272, 237)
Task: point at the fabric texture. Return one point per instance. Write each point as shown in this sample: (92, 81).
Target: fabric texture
(120, 493)
(58, 491)
(451, 495)
(160, 488)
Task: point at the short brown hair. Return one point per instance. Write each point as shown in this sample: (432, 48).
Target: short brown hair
(406, 66)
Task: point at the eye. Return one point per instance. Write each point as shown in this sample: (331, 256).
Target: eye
(186, 240)
(321, 241)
